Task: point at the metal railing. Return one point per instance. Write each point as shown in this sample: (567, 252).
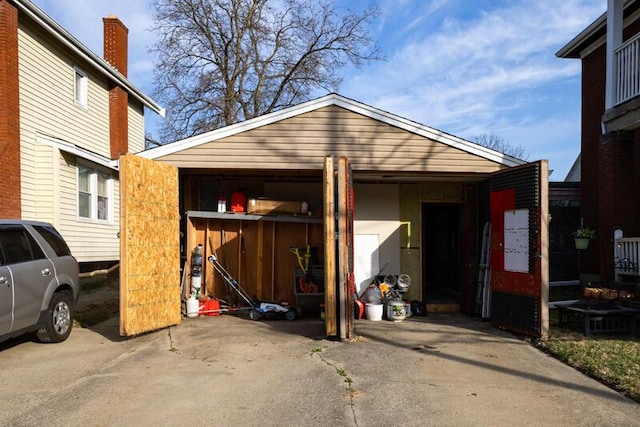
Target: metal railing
(627, 70)
(627, 256)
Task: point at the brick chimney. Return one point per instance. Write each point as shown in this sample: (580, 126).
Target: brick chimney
(116, 53)
(10, 190)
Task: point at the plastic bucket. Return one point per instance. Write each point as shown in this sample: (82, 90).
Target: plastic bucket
(396, 311)
(192, 307)
(373, 311)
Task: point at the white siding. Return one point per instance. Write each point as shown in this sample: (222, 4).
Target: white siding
(136, 127)
(302, 142)
(44, 201)
(48, 177)
(88, 241)
(47, 95)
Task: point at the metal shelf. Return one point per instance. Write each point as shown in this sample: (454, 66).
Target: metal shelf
(242, 216)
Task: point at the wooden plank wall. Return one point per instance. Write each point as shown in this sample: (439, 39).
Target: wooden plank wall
(255, 253)
(149, 246)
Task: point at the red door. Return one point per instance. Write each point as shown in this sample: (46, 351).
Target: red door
(519, 249)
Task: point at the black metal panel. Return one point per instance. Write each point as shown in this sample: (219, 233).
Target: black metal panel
(524, 181)
(520, 312)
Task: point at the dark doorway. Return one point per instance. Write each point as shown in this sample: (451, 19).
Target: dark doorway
(441, 264)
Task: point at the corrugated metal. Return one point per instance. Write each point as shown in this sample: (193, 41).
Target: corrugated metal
(520, 312)
(524, 180)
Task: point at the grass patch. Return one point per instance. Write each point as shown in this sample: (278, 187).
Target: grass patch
(613, 360)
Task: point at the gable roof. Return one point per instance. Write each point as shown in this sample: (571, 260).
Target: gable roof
(575, 173)
(98, 64)
(343, 102)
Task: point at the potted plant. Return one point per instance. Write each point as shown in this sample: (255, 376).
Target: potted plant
(583, 235)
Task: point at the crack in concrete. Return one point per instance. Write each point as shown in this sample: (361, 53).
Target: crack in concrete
(351, 392)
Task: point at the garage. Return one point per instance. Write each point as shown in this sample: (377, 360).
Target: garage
(380, 186)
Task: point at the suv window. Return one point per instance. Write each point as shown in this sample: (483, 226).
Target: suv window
(18, 245)
(54, 239)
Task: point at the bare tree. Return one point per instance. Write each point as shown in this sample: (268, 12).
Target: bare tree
(225, 61)
(497, 143)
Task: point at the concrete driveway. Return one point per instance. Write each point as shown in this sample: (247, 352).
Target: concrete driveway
(439, 370)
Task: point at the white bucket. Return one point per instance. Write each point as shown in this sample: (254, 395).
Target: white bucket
(193, 309)
(374, 311)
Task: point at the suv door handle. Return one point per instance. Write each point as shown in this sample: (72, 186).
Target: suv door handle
(46, 272)
(4, 281)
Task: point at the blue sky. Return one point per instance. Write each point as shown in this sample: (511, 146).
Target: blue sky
(465, 67)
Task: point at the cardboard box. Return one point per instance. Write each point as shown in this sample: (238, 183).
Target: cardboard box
(268, 206)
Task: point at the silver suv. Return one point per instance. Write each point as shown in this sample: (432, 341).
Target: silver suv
(38, 281)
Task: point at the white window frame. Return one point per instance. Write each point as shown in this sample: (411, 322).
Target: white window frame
(80, 88)
(94, 172)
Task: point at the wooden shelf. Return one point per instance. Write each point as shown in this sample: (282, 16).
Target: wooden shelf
(242, 216)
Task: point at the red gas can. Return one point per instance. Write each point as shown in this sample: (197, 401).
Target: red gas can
(238, 202)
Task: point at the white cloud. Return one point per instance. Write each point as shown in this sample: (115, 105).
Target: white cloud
(472, 73)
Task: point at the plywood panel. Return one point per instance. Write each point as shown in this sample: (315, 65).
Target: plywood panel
(150, 246)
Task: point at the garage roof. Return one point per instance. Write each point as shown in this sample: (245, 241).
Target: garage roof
(351, 124)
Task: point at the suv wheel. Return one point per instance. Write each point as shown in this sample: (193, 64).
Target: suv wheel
(58, 320)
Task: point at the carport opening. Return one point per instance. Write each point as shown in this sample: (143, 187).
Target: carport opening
(441, 253)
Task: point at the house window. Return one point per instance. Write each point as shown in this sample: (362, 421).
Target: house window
(80, 88)
(95, 194)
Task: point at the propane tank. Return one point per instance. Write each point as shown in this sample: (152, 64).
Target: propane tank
(196, 271)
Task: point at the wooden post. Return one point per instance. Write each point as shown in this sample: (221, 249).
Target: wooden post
(330, 248)
(260, 257)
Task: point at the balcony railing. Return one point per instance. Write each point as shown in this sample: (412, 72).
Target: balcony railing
(627, 69)
(627, 256)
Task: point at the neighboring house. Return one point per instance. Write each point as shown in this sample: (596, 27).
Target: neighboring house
(610, 135)
(574, 173)
(66, 115)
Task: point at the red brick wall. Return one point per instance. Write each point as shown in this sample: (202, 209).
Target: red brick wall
(10, 205)
(116, 49)
(116, 52)
(593, 85)
(610, 170)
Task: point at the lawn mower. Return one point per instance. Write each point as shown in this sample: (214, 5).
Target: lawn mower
(257, 309)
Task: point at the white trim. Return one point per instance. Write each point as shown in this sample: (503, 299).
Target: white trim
(77, 151)
(614, 40)
(340, 101)
(62, 35)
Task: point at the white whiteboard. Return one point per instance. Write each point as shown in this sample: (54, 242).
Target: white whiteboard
(366, 259)
(516, 240)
